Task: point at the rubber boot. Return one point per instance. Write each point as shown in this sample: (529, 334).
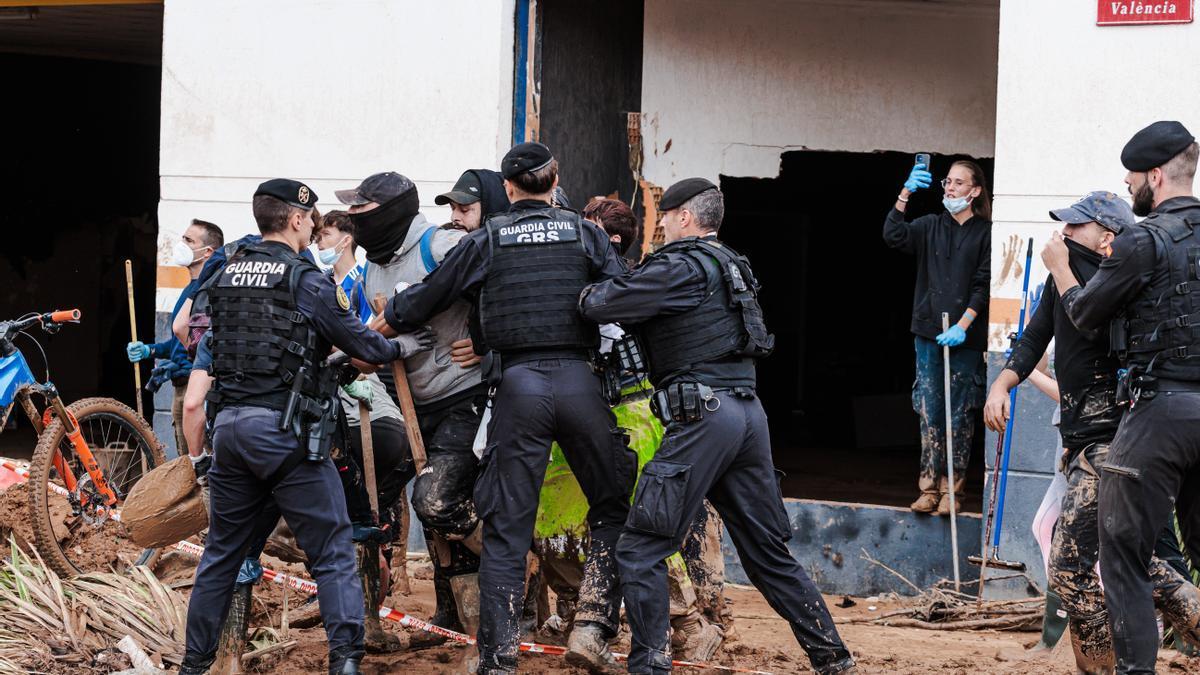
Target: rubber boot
(928, 501)
(693, 638)
(445, 613)
(233, 631)
(1054, 623)
(465, 588)
(943, 508)
(1181, 609)
(587, 647)
(377, 640)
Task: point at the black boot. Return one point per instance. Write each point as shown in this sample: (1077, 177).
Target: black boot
(345, 660)
(192, 666)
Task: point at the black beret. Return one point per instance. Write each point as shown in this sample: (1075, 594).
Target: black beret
(682, 191)
(1155, 145)
(290, 191)
(524, 157)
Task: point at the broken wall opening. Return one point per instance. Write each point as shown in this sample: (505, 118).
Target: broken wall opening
(81, 184)
(838, 388)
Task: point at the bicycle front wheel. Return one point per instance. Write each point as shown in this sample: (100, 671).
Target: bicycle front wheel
(72, 532)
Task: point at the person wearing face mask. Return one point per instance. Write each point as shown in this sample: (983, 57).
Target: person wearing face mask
(954, 268)
(196, 246)
(275, 320)
(1147, 292)
(402, 248)
(1086, 371)
(333, 249)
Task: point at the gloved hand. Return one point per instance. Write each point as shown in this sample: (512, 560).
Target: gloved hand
(918, 178)
(360, 390)
(136, 351)
(953, 337)
(415, 342)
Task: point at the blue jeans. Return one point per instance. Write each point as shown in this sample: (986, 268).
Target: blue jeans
(967, 380)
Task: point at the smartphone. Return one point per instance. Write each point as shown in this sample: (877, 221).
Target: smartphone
(923, 158)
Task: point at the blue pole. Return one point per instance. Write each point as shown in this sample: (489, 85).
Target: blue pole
(520, 70)
(1012, 406)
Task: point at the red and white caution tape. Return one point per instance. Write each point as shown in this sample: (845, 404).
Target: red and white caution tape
(309, 586)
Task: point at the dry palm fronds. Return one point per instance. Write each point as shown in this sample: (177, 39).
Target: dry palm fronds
(78, 617)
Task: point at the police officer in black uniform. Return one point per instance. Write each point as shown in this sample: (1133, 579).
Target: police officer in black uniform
(695, 305)
(1150, 285)
(524, 270)
(274, 319)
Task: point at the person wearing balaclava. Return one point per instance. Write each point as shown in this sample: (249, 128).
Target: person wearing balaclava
(190, 252)
(402, 246)
(1086, 371)
(953, 249)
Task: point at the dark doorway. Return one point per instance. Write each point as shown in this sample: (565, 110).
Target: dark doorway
(81, 179)
(838, 387)
(591, 76)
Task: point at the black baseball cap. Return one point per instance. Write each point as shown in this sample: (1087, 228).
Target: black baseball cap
(524, 157)
(1155, 145)
(378, 188)
(677, 194)
(466, 191)
(1106, 208)
(289, 191)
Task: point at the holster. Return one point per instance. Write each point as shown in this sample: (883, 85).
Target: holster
(493, 369)
(682, 402)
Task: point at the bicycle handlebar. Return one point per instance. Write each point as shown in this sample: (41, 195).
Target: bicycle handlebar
(62, 316)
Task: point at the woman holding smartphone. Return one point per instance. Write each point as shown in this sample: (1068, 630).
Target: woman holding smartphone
(954, 250)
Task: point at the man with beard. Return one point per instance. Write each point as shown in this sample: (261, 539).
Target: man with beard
(402, 247)
(1151, 287)
(524, 269)
(1086, 371)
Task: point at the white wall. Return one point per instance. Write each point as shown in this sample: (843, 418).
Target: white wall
(326, 92)
(1070, 94)
(733, 85)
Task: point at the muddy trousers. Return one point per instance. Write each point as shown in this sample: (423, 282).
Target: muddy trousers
(247, 450)
(393, 468)
(967, 379)
(727, 457)
(1154, 461)
(1073, 555)
(538, 402)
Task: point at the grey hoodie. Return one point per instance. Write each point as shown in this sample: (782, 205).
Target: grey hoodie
(431, 375)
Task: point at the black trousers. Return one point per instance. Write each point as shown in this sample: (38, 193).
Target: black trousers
(539, 402)
(247, 449)
(727, 457)
(1154, 464)
(393, 467)
(1075, 550)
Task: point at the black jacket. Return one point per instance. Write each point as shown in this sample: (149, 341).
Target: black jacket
(954, 270)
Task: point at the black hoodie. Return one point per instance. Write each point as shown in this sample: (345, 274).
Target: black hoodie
(1086, 372)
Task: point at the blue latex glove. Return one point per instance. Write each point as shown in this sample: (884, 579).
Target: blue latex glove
(918, 178)
(953, 337)
(136, 351)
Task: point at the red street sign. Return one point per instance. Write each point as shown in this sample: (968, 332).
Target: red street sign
(1126, 12)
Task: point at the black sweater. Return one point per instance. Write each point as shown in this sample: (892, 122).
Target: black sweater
(954, 270)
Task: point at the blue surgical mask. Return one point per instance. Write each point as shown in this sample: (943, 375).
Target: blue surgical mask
(955, 205)
(328, 256)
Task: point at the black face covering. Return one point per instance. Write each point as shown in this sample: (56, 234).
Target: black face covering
(382, 230)
(1083, 261)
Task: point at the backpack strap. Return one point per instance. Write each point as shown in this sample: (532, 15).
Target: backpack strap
(426, 247)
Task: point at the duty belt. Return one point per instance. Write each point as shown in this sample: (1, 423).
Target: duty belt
(685, 402)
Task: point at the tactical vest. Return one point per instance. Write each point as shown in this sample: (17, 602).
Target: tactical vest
(1164, 321)
(260, 339)
(728, 322)
(538, 268)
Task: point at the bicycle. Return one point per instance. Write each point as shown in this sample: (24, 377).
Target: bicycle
(88, 456)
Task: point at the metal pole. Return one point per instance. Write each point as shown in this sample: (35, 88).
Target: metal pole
(950, 453)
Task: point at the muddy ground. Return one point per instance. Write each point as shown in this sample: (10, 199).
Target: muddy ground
(763, 641)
